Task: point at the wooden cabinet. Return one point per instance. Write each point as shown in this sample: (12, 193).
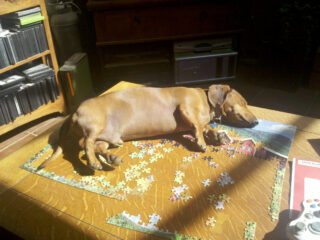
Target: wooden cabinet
(48, 57)
(123, 21)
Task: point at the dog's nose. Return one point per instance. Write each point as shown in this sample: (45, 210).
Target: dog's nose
(255, 122)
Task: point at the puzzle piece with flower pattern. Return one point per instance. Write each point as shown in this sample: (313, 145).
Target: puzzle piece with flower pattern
(185, 197)
(187, 159)
(178, 177)
(218, 200)
(143, 184)
(213, 164)
(167, 150)
(211, 222)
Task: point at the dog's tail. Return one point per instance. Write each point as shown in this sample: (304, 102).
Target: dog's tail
(58, 150)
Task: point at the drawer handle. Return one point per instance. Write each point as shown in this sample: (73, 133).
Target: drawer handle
(136, 20)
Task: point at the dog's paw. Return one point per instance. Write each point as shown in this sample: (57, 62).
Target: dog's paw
(203, 147)
(96, 166)
(222, 139)
(114, 160)
(212, 138)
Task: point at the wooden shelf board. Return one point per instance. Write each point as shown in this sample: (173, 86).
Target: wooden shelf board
(47, 52)
(51, 107)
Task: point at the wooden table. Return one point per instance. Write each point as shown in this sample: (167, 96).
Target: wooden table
(35, 207)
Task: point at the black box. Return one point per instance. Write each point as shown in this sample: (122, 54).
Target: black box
(4, 112)
(23, 99)
(204, 60)
(33, 96)
(9, 99)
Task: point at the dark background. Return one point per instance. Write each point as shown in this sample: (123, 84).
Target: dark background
(278, 38)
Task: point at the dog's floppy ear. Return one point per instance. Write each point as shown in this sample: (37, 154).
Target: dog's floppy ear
(217, 94)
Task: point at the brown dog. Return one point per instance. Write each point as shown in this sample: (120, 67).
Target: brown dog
(145, 112)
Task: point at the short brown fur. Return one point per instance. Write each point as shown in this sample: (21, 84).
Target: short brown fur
(146, 112)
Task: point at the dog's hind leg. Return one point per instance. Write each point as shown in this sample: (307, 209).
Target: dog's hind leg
(101, 148)
(191, 119)
(89, 143)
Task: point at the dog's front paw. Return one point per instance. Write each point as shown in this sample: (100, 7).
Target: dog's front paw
(212, 138)
(203, 147)
(222, 138)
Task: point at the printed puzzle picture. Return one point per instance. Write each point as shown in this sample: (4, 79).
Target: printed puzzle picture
(167, 189)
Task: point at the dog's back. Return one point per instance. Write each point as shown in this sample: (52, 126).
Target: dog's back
(139, 112)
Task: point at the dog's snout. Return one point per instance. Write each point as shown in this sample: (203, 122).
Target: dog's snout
(255, 122)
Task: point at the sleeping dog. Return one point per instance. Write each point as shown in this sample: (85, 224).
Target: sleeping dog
(146, 112)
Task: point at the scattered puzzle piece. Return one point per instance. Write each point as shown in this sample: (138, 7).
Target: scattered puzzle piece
(211, 198)
(167, 150)
(219, 205)
(218, 200)
(187, 159)
(173, 198)
(194, 155)
(206, 182)
(213, 164)
(143, 184)
(211, 221)
(178, 190)
(225, 179)
(224, 197)
(178, 177)
(185, 197)
(209, 158)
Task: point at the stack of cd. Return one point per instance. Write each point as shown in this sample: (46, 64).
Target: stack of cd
(22, 36)
(24, 92)
(9, 106)
(42, 79)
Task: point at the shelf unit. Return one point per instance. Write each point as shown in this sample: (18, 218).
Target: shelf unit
(58, 105)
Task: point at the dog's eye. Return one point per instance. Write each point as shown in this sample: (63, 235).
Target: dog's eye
(242, 118)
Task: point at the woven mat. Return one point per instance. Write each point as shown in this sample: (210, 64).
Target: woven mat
(229, 192)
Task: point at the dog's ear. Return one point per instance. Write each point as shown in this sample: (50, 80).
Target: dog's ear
(217, 94)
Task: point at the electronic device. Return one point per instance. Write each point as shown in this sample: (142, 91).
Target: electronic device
(307, 225)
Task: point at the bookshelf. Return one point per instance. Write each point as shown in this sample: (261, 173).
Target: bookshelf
(8, 6)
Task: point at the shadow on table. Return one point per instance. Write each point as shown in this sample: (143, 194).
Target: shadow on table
(280, 229)
(315, 143)
(23, 217)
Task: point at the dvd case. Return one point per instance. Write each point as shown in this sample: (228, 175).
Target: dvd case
(23, 99)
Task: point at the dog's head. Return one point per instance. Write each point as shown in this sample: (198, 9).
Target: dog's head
(228, 104)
